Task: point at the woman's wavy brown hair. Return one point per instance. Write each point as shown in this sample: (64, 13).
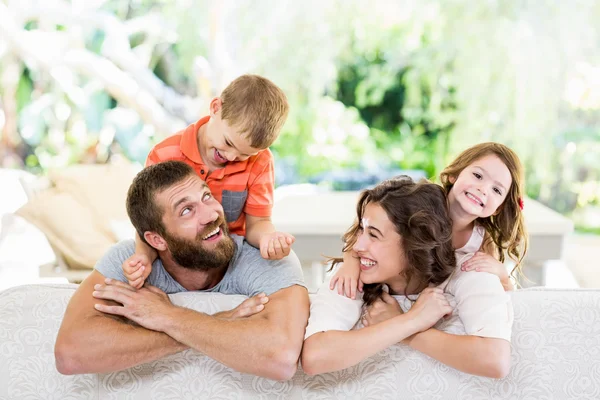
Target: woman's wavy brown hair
(505, 230)
(419, 211)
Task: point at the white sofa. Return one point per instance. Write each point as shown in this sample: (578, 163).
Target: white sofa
(556, 355)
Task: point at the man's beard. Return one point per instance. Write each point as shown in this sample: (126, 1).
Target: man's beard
(191, 254)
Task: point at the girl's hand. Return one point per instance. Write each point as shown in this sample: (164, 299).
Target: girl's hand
(430, 307)
(381, 310)
(483, 262)
(347, 280)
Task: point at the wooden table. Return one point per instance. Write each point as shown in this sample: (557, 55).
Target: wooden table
(318, 220)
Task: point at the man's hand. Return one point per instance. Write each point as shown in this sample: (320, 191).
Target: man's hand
(148, 306)
(275, 245)
(381, 310)
(247, 308)
(136, 269)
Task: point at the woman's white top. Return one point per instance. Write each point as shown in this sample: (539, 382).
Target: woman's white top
(480, 305)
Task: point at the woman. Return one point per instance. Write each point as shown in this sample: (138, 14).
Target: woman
(403, 239)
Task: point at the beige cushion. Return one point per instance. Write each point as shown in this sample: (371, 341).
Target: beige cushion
(69, 226)
(101, 188)
(78, 212)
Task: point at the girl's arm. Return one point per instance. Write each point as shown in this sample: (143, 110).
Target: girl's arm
(347, 276)
(475, 355)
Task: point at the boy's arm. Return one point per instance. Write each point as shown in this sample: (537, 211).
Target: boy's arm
(256, 227)
(267, 344)
(261, 234)
(138, 266)
(475, 355)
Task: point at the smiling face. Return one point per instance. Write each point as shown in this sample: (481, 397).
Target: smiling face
(221, 143)
(379, 248)
(480, 189)
(196, 233)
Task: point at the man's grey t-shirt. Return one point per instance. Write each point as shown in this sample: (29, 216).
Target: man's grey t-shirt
(248, 273)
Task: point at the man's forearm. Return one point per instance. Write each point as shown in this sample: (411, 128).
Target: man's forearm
(471, 354)
(253, 345)
(104, 344)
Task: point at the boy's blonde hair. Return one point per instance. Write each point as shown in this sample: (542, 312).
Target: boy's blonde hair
(255, 106)
(505, 230)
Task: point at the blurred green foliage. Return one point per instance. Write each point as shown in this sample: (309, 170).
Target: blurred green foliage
(398, 85)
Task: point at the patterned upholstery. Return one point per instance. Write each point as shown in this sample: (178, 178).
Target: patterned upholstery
(556, 355)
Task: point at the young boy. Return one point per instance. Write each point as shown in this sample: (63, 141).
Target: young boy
(229, 150)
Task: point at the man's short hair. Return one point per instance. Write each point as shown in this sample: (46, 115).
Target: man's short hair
(256, 107)
(145, 214)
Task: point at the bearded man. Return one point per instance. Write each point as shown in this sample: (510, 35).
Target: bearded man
(110, 326)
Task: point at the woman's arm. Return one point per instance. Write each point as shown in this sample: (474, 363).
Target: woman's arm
(486, 312)
(475, 355)
(334, 350)
(327, 350)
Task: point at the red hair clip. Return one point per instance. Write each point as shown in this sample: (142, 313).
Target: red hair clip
(521, 205)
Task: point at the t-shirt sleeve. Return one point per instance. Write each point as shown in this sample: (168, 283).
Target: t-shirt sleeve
(483, 306)
(152, 158)
(258, 275)
(330, 311)
(261, 185)
(110, 265)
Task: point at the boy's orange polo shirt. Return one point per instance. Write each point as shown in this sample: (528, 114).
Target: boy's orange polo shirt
(242, 187)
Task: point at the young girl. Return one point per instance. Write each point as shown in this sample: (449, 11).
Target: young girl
(484, 187)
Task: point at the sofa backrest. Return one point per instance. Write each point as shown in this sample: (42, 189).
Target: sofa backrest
(556, 355)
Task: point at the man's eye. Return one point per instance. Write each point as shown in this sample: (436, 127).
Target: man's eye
(207, 196)
(186, 210)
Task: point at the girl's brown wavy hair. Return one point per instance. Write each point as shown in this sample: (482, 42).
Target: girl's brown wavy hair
(419, 211)
(505, 230)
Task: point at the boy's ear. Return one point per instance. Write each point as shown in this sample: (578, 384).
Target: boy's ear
(155, 240)
(215, 106)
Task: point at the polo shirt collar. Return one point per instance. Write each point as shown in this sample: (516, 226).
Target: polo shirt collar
(189, 147)
(189, 141)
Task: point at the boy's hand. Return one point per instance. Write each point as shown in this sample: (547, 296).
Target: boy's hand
(347, 279)
(136, 269)
(483, 262)
(275, 245)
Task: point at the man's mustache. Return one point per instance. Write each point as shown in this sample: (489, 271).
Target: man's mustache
(209, 228)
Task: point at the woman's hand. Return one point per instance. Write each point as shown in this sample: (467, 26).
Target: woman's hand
(381, 310)
(430, 307)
